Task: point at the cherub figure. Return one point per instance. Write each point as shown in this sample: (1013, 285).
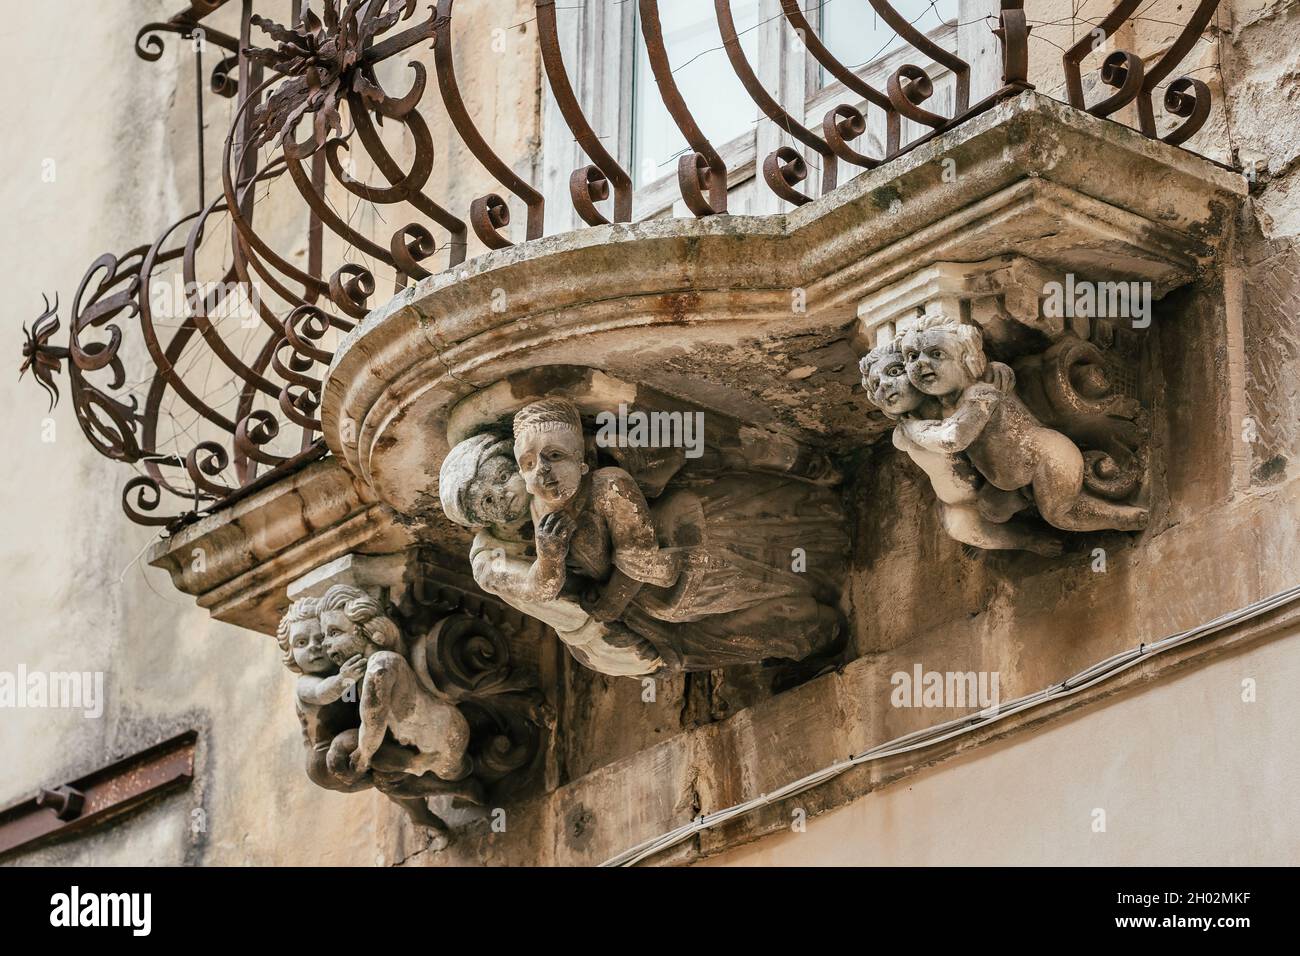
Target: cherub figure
(392, 698)
(481, 488)
(551, 454)
(328, 699)
(1011, 448)
(694, 577)
(320, 694)
(962, 493)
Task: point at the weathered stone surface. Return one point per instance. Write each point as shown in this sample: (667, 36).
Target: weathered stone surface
(1078, 617)
(990, 458)
(430, 710)
(701, 580)
(709, 310)
(240, 561)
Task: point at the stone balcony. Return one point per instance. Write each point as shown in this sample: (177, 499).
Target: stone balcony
(759, 324)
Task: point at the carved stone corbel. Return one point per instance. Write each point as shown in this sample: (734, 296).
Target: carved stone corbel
(406, 687)
(1014, 415)
(645, 557)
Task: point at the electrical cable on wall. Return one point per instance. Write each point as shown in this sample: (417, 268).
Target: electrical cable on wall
(930, 736)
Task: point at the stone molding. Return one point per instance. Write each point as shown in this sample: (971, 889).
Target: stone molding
(703, 309)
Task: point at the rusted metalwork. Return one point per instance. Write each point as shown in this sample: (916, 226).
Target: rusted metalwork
(99, 796)
(844, 122)
(590, 184)
(195, 444)
(488, 214)
(1186, 97)
(44, 360)
(784, 168)
(701, 173)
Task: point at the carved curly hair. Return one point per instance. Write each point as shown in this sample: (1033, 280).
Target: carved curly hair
(891, 349)
(970, 340)
(363, 611)
(548, 414)
(304, 609)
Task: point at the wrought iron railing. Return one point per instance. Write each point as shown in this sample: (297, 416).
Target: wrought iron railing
(231, 375)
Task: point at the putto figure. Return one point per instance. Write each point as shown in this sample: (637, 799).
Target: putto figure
(481, 489)
(705, 576)
(393, 700)
(964, 496)
(355, 687)
(974, 413)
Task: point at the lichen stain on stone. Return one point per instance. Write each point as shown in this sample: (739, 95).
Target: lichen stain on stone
(679, 306)
(885, 196)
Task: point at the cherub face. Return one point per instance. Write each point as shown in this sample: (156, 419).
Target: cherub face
(934, 362)
(552, 462)
(307, 642)
(497, 496)
(343, 639)
(890, 389)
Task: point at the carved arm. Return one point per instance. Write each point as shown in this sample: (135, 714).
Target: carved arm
(955, 433)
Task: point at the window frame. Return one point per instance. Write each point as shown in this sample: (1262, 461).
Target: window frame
(598, 42)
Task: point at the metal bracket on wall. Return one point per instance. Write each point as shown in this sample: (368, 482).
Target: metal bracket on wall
(99, 795)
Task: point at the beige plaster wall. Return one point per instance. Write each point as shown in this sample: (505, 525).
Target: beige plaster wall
(120, 134)
(1186, 773)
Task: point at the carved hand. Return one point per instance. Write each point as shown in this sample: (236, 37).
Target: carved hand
(592, 601)
(608, 602)
(353, 669)
(1003, 377)
(553, 534)
(359, 762)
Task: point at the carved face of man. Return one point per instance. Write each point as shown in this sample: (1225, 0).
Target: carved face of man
(935, 361)
(307, 643)
(497, 495)
(886, 381)
(343, 639)
(552, 462)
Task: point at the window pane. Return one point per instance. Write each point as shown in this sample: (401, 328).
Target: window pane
(710, 87)
(856, 35)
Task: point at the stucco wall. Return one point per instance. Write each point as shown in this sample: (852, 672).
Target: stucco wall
(1186, 773)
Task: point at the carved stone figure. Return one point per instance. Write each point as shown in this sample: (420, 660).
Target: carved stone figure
(705, 576)
(481, 488)
(961, 490)
(405, 717)
(325, 698)
(977, 419)
(358, 635)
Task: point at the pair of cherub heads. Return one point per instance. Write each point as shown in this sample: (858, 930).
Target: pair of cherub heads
(346, 649)
(333, 634)
(932, 364)
(987, 456)
(551, 460)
